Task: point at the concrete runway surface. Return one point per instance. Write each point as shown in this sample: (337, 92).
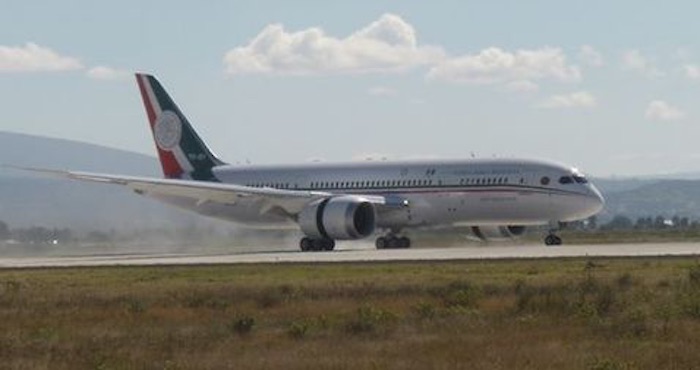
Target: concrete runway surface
(363, 255)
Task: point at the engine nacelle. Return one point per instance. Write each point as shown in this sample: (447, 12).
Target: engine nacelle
(497, 233)
(338, 218)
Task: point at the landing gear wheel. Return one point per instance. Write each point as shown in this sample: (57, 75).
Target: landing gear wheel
(552, 240)
(305, 244)
(328, 244)
(392, 242)
(309, 244)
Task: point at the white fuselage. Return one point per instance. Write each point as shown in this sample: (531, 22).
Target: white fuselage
(466, 192)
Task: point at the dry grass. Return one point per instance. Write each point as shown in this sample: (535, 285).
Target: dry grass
(554, 314)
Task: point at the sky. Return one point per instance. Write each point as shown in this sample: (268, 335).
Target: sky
(608, 87)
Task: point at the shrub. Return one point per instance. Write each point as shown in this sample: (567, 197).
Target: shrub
(608, 364)
(273, 297)
(694, 276)
(370, 320)
(270, 298)
(242, 325)
(690, 304)
(624, 281)
(135, 306)
(524, 296)
(604, 300)
(425, 310)
(298, 329)
(460, 295)
(633, 323)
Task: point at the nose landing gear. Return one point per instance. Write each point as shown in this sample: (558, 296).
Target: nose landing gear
(552, 239)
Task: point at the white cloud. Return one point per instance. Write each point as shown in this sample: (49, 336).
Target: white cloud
(386, 45)
(659, 110)
(523, 86)
(692, 71)
(107, 73)
(34, 58)
(382, 91)
(370, 156)
(497, 66)
(589, 55)
(682, 54)
(580, 99)
(635, 61)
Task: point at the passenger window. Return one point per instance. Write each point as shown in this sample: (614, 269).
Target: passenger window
(544, 180)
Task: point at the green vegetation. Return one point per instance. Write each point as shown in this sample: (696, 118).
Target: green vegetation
(536, 314)
(627, 236)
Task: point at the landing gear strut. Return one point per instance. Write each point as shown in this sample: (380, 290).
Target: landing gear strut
(393, 242)
(308, 244)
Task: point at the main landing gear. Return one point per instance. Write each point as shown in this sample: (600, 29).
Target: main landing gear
(316, 245)
(393, 242)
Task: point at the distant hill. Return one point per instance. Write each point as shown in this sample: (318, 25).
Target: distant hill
(662, 197)
(35, 151)
(28, 199)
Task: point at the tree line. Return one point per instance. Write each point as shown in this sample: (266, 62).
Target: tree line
(35, 234)
(622, 222)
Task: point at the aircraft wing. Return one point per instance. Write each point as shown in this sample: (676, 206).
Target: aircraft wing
(291, 202)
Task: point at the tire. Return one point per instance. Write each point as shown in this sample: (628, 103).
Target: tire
(381, 243)
(328, 244)
(404, 242)
(393, 243)
(318, 245)
(305, 244)
(552, 240)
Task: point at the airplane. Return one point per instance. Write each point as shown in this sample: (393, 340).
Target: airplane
(495, 198)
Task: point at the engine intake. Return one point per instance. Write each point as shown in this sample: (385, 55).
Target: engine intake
(497, 233)
(338, 218)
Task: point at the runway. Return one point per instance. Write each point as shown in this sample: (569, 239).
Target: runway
(363, 255)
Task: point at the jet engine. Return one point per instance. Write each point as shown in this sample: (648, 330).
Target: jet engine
(338, 218)
(497, 233)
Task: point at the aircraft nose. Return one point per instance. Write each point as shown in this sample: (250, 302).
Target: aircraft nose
(596, 201)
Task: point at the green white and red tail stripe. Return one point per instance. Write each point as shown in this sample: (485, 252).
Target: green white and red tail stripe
(182, 153)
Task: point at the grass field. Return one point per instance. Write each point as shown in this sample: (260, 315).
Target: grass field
(533, 314)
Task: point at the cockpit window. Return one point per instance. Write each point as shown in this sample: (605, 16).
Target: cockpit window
(565, 180)
(580, 179)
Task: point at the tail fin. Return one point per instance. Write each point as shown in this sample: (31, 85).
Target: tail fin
(181, 151)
